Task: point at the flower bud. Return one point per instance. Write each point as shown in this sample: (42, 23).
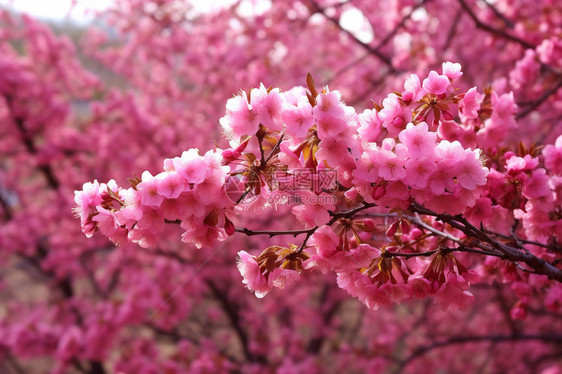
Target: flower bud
(392, 229)
(378, 192)
(229, 226)
(369, 224)
(407, 96)
(229, 155)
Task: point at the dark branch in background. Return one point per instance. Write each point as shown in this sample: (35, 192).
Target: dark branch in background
(13, 362)
(5, 207)
(401, 24)
(382, 57)
(67, 290)
(169, 254)
(316, 342)
(381, 44)
(175, 336)
(472, 339)
(501, 33)
(453, 30)
(507, 22)
(420, 321)
(65, 284)
(27, 139)
(506, 310)
(367, 93)
(232, 312)
(531, 106)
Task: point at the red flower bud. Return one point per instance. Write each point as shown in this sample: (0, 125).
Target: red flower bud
(229, 226)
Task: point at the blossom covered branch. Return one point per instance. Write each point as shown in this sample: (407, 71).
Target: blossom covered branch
(422, 168)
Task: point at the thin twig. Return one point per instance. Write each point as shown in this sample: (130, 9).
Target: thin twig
(272, 233)
(501, 33)
(536, 103)
(382, 57)
(471, 339)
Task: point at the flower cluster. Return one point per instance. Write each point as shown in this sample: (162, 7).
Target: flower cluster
(414, 153)
(190, 190)
(275, 267)
(150, 81)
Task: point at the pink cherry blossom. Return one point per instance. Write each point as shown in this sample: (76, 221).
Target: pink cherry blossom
(170, 184)
(470, 103)
(268, 107)
(314, 211)
(471, 172)
(418, 171)
(152, 79)
(553, 156)
(253, 277)
(298, 118)
(452, 70)
(452, 294)
(240, 118)
(417, 139)
(413, 87)
(148, 190)
(370, 126)
(389, 166)
(190, 166)
(329, 105)
(435, 83)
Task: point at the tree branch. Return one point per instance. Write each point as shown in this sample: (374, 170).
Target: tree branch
(488, 244)
(234, 319)
(538, 102)
(382, 57)
(501, 33)
(27, 139)
(469, 339)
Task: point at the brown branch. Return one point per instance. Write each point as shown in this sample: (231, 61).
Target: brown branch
(507, 22)
(27, 140)
(315, 343)
(515, 238)
(538, 102)
(501, 33)
(6, 207)
(506, 310)
(275, 149)
(348, 213)
(415, 254)
(14, 363)
(168, 254)
(381, 44)
(453, 30)
(335, 216)
(232, 312)
(471, 339)
(67, 289)
(373, 84)
(400, 24)
(488, 244)
(382, 57)
(272, 233)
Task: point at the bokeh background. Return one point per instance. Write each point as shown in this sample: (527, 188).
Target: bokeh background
(114, 91)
